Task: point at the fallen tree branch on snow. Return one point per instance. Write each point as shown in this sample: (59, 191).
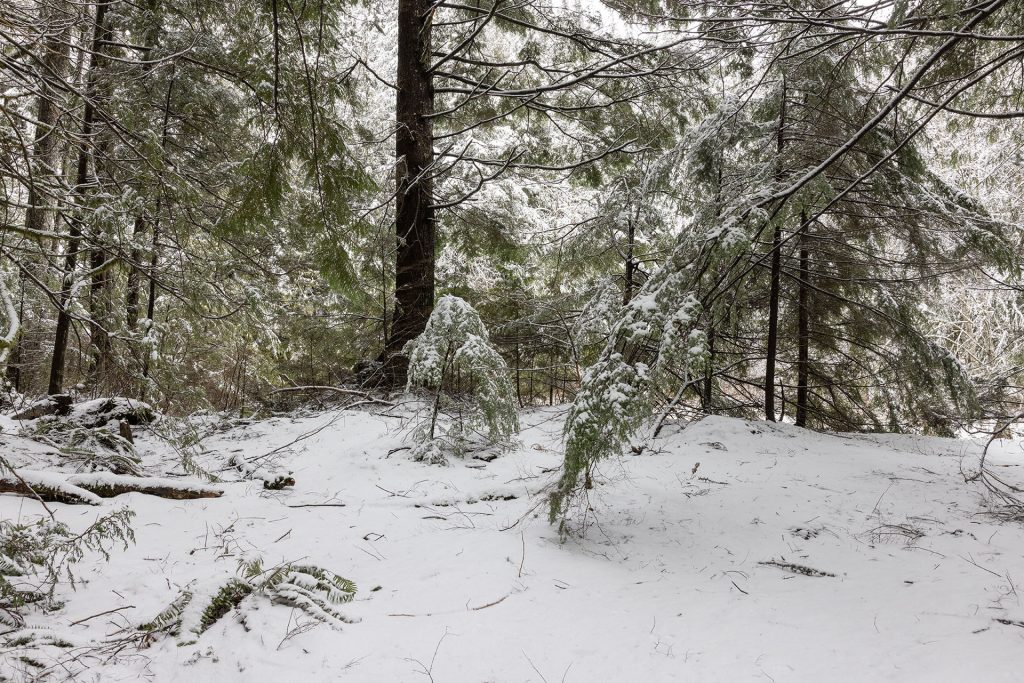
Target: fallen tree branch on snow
(797, 568)
(338, 390)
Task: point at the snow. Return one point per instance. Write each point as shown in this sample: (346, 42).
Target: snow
(667, 583)
(109, 479)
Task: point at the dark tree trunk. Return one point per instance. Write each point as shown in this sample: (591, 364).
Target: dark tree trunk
(776, 277)
(630, 263)
(773, 326)
(414, 213)
(142, 224)
(154, 252)
(154, 259)
(85, 146)
(45, 151)
(707, 395)
(99, 315)
(131, 297)
(803, 325)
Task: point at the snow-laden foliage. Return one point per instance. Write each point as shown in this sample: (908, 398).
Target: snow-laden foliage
(36, 556)
(201, 604)
(763, 181)
(615, 395)
(91, 449)
(472, 401)
(13, 322)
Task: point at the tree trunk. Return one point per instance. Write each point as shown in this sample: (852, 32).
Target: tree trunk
(141, 226)
(707, 395)
(154, 249)
(773, 327)
(13, 369)
(803, 325)
(154, 258)
(99, 315)
(414, 213)
(85, 147)
(630, 263)
(131, 296)
(45, 150)
(776, 277)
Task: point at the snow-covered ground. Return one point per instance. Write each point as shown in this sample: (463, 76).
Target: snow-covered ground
(670, 582)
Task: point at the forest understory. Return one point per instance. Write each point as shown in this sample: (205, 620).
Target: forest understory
(725, 550)
(511, 340)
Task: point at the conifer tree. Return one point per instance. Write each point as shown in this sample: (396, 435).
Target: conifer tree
(468, 382)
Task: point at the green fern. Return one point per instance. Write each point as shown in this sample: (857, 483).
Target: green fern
(169, 618)
(226, 599)
(314, 590)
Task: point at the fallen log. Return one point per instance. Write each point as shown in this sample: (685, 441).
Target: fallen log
(106, 485)
(46, 487)
(88, 489)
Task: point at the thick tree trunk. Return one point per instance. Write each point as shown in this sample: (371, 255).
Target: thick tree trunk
(414, 214)
(85, 147)
(776, 277)
(803, 325)
(45, 150)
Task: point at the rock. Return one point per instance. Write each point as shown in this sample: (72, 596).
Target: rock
(99, 412)
(58, 404)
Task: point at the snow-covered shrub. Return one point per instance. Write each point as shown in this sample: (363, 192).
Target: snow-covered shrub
(473, 402)
(90, 449)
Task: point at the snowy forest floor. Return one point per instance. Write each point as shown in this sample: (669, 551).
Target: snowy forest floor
(673, 580)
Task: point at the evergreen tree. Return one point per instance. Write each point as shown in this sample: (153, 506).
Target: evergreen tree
(454, 360)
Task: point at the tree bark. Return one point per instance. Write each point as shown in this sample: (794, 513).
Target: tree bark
(414, 213)
(707, 395)
(131, 296)
(630, 263)
(773, 326)
(85, 148)
(45, 150)
(776, 277)
(803, 325)
(142, 224)
(80, 489)
(99, 315)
